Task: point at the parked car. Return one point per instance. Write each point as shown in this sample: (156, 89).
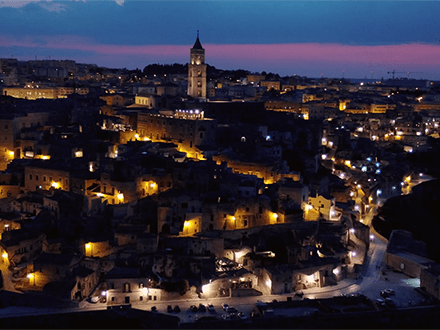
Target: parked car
(225, 306)
(384, 294)
(202, 308)
(169, 309)
(242, 316)
(211, 308)
(232, 310)
(177, 309)
(255, 314)
(153, 309)
(226, 316)
(380, 302)
(193, 308)
(390, 292)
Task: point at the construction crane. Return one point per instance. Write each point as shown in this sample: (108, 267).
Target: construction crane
(408, 72)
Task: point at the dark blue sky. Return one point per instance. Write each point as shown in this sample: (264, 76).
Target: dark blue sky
(136, 33)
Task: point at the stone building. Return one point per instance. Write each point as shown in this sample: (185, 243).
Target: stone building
(197, 71)
(127, 286)
(405, 254)
(189, 129)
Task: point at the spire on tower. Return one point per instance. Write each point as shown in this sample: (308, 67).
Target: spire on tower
(197, 44)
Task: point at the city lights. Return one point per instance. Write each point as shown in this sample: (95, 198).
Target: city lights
(195, 212)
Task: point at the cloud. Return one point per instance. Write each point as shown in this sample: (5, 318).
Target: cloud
(50, 5)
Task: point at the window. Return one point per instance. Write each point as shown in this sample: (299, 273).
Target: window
(141, 298)
(126, 287)
(30, 176)
(141, 285)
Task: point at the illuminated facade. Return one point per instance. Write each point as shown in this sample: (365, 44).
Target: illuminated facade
(45, 177)
(189, 129)
(270, 172)
(31, 92)
(197, 71)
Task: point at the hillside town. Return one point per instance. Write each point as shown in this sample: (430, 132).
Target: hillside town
(133, 187)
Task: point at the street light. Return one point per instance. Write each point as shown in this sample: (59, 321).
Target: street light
(30, 277)
(89, 247)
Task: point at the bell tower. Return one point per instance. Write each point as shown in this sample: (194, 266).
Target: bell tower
(197, 71)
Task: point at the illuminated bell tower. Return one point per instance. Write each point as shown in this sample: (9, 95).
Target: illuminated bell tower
(197, 71)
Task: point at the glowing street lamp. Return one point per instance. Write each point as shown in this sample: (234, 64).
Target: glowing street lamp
(89, 249)
(31, 276)
(234, 220)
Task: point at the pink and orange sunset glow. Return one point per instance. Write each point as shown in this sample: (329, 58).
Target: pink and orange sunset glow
(291, 37)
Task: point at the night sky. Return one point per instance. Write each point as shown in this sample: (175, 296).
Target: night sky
(350, 39)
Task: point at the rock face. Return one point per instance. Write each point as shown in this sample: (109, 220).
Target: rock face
(417, 213)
